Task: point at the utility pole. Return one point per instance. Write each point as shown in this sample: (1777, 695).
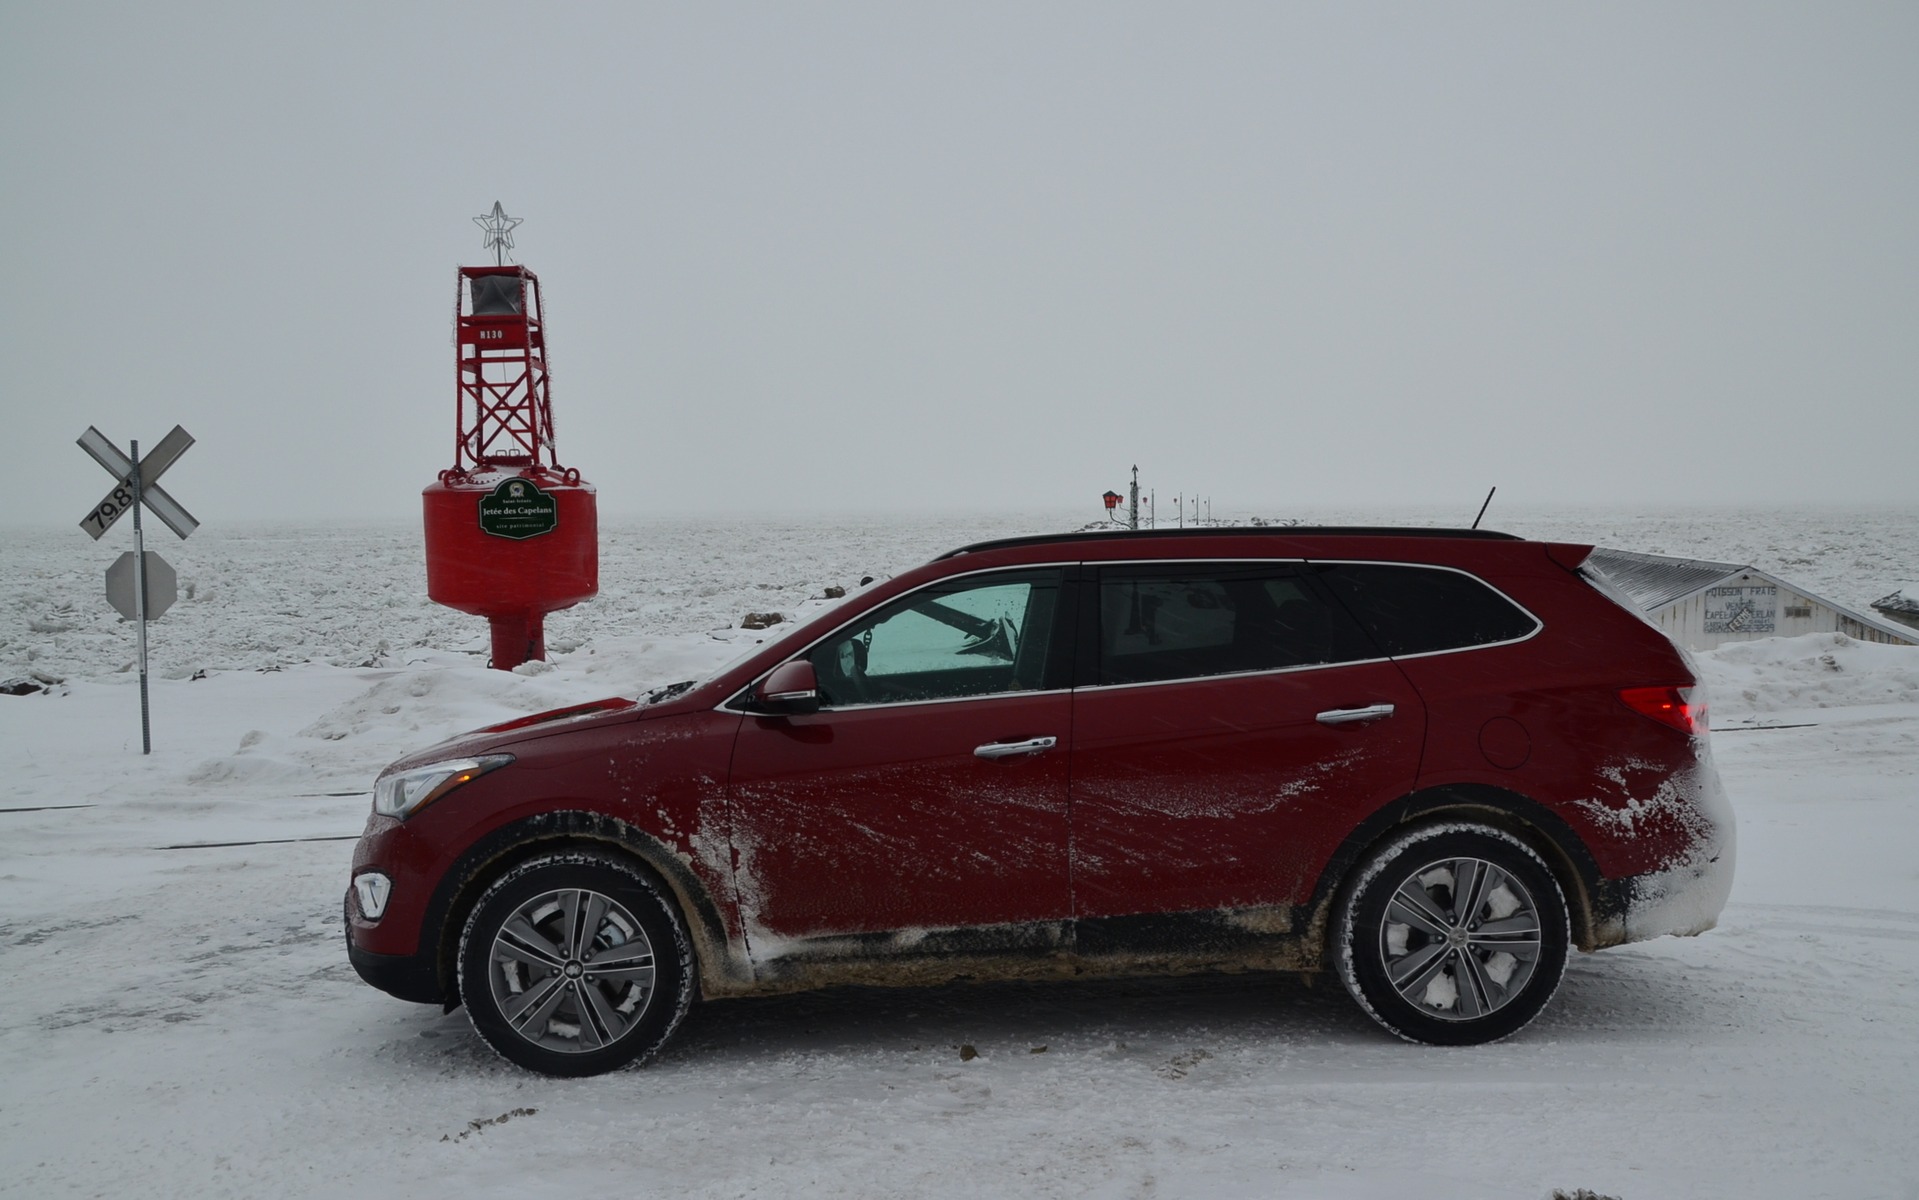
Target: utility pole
(1132, 505)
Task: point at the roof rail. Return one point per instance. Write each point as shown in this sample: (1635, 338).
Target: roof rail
(1416, 531)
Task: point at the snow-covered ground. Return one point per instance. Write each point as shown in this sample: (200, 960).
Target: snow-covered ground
(183, 1021)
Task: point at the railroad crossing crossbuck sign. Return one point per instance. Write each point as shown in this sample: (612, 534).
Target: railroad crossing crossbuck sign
(120, 498)
(141, 584)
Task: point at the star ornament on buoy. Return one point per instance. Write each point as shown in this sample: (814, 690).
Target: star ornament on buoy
(499, 232)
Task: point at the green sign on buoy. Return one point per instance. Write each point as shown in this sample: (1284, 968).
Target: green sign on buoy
(517, 509)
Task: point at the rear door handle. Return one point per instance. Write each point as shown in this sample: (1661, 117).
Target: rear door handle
(1010, 749)
(1349, 716)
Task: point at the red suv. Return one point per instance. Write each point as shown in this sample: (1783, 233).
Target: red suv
(1430, 760)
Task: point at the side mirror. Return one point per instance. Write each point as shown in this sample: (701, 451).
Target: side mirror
(791, 689)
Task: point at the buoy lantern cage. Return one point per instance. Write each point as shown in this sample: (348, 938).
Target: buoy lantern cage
(506, 405)
(511, 534)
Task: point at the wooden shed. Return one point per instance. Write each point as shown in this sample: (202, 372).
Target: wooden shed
(1703, 604)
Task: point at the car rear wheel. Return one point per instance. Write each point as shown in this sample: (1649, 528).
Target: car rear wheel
(575, 964)
(1453, 935)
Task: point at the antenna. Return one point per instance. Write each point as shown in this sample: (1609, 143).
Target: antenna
(1483, 507)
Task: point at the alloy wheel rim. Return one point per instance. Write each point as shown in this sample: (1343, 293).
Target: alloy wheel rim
(571, 970)
(1461, 939)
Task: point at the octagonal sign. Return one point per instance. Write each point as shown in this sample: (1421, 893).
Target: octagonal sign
(163, 586)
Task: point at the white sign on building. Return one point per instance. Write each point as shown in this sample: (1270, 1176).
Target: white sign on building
(1750, 609)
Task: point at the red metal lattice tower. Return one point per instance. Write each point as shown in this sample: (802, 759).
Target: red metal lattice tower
(505, 392)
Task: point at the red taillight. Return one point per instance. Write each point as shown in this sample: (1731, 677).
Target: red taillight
(1669, 706)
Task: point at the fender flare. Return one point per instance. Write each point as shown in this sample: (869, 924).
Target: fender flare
(721, 965)
(1591, 897)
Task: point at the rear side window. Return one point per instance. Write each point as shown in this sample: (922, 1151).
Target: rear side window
(1420, 610)
(1189, 620)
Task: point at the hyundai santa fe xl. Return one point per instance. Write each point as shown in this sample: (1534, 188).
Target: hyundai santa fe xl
(1431, 761)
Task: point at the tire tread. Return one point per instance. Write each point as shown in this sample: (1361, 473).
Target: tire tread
(1345, 912)
(549, 1062)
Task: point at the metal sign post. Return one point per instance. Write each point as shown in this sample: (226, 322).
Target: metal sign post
(140, 596)
(137, 486)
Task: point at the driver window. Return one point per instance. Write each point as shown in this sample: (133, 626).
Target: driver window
(969, 637)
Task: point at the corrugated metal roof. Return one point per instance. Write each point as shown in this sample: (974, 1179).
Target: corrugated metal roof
(1653, 580)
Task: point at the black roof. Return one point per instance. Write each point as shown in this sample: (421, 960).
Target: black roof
(1416, 531)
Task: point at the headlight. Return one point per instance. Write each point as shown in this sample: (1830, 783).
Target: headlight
(403, 793)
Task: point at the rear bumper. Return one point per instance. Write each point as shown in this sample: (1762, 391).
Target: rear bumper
(1683, 900)
(1685, 896)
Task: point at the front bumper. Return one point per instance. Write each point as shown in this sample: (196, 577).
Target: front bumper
(406, 976)
(390, 952)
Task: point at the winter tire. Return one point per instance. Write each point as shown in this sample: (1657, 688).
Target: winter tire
(1452, 935)
(575, 964)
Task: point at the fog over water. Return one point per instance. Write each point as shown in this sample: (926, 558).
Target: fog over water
(876, 258)
(268, 595)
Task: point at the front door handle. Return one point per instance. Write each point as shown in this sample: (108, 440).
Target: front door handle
(1349, 716)
(1010, 749)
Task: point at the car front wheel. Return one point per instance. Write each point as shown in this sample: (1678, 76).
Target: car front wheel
(575, 964)
(1453, 935)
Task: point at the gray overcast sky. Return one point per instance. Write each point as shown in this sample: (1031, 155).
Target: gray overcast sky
(871, 256)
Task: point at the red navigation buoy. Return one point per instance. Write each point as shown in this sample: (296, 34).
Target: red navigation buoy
(511, 535)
